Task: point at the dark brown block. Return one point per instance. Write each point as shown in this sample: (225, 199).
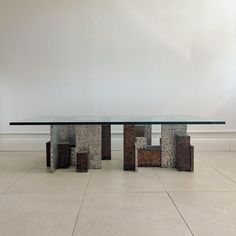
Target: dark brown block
(82, 161)
(139, 130)
(63, 155)
(48, 153)
(149, 156)
(129, 147)
(184, 154)
(106, 142)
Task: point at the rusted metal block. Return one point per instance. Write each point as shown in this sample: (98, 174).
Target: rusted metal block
(48, 153)
(184, 153)
(63, 160)
(149, 156)
(106, 142)
(129, 147)
(139, 130)
(82, 161)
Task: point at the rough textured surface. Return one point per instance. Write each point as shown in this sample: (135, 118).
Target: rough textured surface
(82, 161)
(144, 131)
(89, 138)
(48, 147)
(60, 134)
(129, 148)
(67, 133)
(140, 142)
(139, 130)
(54, 142)
(63, 155)
(168, 146)
(149, 156)
(73, 155)
(106, 142)
(184, 156)
(148, 134)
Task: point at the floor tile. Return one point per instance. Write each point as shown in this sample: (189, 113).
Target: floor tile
(202, 179)
(38, 214)
(218, 159)
(133, 214)
(208, 213)
(111, 180)
(19, 160)
(230, 172)
(41, 181)
(10, 177)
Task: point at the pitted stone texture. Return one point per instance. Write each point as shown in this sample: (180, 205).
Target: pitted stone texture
(168, 145)
(148, 134)
(60, 134)
(89, 138)
(140, 142)
(54, 136)
(67, 134)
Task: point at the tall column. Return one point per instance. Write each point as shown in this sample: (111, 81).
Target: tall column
(89, 138)
(54, 136)
(106, 142)
(129, 148)
(168, 144)
(59, 134)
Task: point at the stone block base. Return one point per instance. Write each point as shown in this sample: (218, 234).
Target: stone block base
(149, 156)
(82, 161)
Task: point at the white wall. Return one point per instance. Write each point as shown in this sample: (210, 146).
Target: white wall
(117, 57)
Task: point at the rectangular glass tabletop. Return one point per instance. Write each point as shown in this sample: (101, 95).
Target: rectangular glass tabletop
(116, 120)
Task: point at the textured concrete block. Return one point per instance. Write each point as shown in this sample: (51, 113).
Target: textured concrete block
(89, 138)
(168, 145)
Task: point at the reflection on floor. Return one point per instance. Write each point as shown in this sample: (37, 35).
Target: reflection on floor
(112, 202)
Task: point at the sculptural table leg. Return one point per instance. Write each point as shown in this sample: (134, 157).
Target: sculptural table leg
(54, 134)
(129, 148)
(89, 138)
(59, 134)
(168, 145)
(106, 142)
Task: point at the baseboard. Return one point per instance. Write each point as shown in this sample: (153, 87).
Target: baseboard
(202, 141)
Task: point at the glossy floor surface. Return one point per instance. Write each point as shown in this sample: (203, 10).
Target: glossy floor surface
(111, 202)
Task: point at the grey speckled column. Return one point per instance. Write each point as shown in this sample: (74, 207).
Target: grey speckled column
(140, 142)
(54, 134)
(89, 138)
(168, 146)
(148, 134)
(60, 134)
(67, 133)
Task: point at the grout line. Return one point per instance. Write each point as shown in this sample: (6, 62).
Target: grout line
(214, 168)
(173, 202)
(23, 176)
(79, 210)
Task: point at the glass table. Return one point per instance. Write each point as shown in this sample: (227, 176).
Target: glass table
(93, 134)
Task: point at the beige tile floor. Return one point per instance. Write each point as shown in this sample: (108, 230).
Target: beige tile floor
(111, 202)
